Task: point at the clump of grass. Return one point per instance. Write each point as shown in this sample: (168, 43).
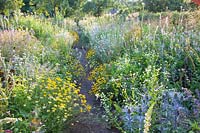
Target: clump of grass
(17, 42)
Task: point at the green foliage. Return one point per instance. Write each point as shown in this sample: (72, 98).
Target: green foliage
(9, 6)
(148, 62)
(39, 76)
(146, 75)
(128, 6)
(4, 96)
(121, 85)
(163, 5)
(96, 7)
(48, 108)
(194, 126)
(28, 6)
(51, 8)
(105, 38)
(36, 26)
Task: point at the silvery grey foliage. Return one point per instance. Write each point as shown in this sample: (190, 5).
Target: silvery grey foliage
(133, 116)
(172, 112)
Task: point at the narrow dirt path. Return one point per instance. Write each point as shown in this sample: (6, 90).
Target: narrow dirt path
(85, 83)
(89, 122)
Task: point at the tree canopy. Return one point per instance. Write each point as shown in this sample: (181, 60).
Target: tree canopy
(9, 6)
(95, 7)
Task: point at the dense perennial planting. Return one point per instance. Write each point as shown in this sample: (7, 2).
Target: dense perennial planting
(152, 83)
(145, 72)
(38, 88)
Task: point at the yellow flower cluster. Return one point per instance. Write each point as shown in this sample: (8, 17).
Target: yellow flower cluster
(90, 53)
(96, 85)
(76, 68)
(98, 78)
(76, 36)
(94, 75)
(58, 94)
(62, 96)
(84, 103)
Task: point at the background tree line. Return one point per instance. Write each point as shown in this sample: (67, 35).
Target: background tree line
(95, 7)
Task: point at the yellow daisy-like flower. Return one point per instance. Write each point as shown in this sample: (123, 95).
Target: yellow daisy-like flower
(76, 91)
(83, 101)
(59, 79)
(88, 107)
(61, 106)
(90, 53)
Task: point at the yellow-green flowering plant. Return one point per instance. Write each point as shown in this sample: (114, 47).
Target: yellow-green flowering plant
(47, 104)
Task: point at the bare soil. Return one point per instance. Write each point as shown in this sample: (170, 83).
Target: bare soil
(93, 121)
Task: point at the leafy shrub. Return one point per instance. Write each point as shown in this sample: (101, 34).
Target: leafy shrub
(8, 7)
(36, 25)
(106, 38)
(162, 5)
(172, 18)
(121, 83)
(50, 35)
